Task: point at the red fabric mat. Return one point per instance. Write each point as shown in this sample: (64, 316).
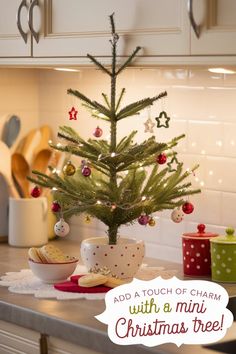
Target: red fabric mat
(73, 287)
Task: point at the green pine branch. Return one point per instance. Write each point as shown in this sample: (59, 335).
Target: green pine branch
(98, 64)
(106, 100)
(120, 99)
(129, 60)
(93, 104)
(136, 107)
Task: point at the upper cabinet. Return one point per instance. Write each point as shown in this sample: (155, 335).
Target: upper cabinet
(213, 30)
(169, 31)
(75, 27)
(15, 39)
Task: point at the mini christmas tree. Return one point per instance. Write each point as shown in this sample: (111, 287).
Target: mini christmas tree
(112, 184)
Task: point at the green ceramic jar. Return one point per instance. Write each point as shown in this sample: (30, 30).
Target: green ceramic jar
(223, 257)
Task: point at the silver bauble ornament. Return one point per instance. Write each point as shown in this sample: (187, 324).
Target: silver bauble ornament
(61, 228)
(177, 215)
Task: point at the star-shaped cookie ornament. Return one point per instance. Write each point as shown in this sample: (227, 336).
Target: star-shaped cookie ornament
(73, 114)
(173, 164)
(149, 125)
(162, 116)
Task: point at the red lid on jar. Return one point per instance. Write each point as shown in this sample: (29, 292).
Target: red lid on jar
(200, 234)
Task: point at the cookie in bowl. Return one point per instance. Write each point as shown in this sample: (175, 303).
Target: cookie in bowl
(50, 264)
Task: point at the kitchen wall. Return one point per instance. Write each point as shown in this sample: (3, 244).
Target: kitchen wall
(18, 95)
(201, 104)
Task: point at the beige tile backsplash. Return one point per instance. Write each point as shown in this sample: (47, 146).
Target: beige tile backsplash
(201, 104)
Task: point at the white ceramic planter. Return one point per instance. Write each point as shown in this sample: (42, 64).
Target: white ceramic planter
(123, 259)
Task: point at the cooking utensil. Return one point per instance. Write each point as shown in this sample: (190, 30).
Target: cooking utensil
(11, 130)
(31, 142)
(20, 170)
(42, 153)
(46, 134)
(41, 160)
(196, 252)
(223, 257)
(5, 169)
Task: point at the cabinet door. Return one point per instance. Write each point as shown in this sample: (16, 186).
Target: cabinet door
(16, 339)
(11, 41)
(72, 28)
(58, 346)
(217, 21)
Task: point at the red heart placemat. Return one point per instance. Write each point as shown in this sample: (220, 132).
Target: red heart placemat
(73, 287)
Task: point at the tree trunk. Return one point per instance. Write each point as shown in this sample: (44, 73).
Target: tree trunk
(112, 234)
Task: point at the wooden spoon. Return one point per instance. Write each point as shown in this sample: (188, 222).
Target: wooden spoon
(46, 135)
(20, 170)
(31, 142)
(5, 169)
(42, 153)
(41, 160)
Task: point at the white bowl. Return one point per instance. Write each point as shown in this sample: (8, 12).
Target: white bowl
(53, 272)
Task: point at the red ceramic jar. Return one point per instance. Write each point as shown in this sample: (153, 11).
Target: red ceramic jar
(196, 252)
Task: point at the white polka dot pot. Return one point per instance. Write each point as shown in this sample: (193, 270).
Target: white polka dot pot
(196, 252)
(123, 259)
(223, 257)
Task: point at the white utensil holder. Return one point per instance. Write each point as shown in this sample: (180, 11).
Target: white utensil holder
(28, 222)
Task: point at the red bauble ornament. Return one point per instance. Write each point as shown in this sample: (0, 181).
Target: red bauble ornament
(143, 219)
(187, 208)
(55, 207)
(36, 192)
(86, 171)
(98, 132)
(161, 159)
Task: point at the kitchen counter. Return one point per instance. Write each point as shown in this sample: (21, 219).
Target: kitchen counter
(73, 320)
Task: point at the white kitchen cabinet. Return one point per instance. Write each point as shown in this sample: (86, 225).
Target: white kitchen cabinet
(69, 29)
(58, 346)
(18, 340)
(72, 28)
(12, 43)
(217, 25)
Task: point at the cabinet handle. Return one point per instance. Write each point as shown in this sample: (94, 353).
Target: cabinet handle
(18, 21)
(43, 344)
(195, 27)
(30, 20)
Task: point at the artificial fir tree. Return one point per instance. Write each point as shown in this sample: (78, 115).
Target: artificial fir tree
(112, 184)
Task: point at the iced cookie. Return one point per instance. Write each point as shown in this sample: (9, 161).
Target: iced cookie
(53, 254)
(90, 280)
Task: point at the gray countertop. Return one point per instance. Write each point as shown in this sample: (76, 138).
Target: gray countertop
(74, 320)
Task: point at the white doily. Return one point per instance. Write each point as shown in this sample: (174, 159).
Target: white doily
(24, 282)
